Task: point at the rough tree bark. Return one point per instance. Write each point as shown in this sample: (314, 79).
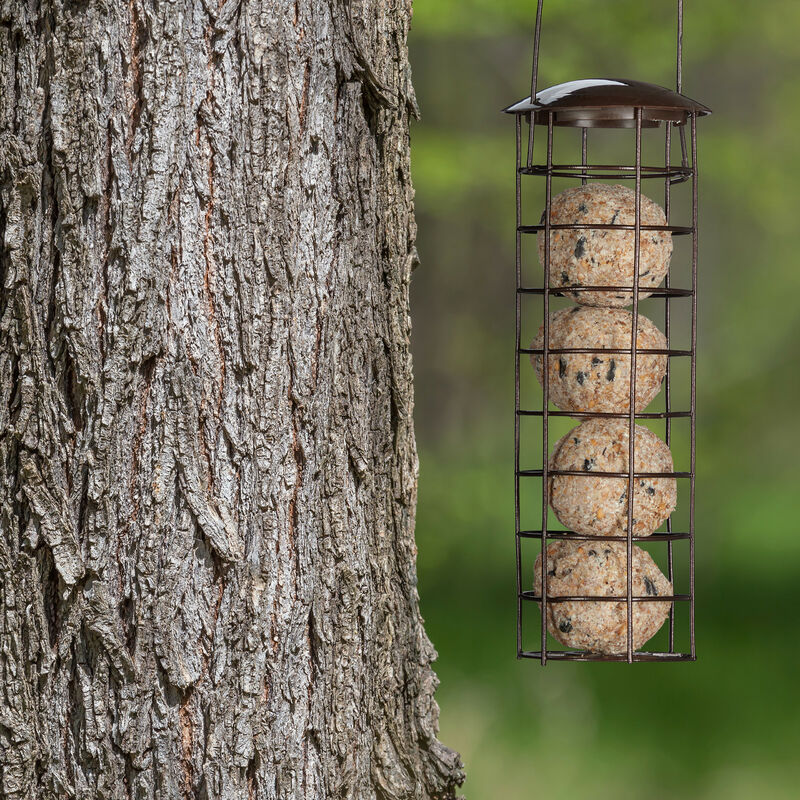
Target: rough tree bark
(207, 464)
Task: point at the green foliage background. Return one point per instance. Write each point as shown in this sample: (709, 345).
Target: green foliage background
(727, 726)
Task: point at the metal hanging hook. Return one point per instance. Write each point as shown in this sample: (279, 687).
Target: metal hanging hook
(537, 36)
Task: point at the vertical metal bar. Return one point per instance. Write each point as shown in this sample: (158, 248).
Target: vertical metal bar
(534, 75)
(667, 387)
(531, 128)
(667, 180)
(546, 381)
(517, 165)
(679, 65)
(531, 119)
(584, 153)
(682, 135)
(694, 382)
(632, 411)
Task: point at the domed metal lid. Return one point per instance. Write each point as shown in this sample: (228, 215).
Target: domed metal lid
(608, 103)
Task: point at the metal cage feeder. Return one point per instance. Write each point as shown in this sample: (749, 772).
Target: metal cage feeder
(632, 106)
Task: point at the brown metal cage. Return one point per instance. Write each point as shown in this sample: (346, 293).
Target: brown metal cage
(628, 105)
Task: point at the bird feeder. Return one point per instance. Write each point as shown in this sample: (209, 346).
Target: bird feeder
(596, 568)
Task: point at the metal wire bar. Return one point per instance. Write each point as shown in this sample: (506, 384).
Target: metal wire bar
(584, 155)
(577, 473)
(679, 57)
(675, 230)
(693, 381)
(657, 171)
(606, 598)
(667, 382)
(665, 292)
(580, 655)
(682, 137)
(516, 367)
(585, 537)
(609, 170)
(535, 73)
(634, 333)
(610, 350)
(581, 415)
(618, 176)
(536, 36)
(545, 375)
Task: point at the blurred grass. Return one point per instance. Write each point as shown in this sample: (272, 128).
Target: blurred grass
(727, 726)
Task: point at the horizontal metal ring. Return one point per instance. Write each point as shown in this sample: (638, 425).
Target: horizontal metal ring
(676, 230)
(584, 537)
(617, 598)
(608, 414)
(560, 290)
(579, 473)
(582, 655)
(558, 351)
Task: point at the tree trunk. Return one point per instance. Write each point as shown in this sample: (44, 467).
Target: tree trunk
(207, 465)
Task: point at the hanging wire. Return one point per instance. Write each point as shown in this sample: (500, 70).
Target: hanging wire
(537, 37)
(535, 74)
(679, 59)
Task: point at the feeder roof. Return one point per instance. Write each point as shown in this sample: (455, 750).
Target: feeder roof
(605, 102)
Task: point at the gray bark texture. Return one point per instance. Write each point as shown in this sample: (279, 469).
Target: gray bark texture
(207, 465)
